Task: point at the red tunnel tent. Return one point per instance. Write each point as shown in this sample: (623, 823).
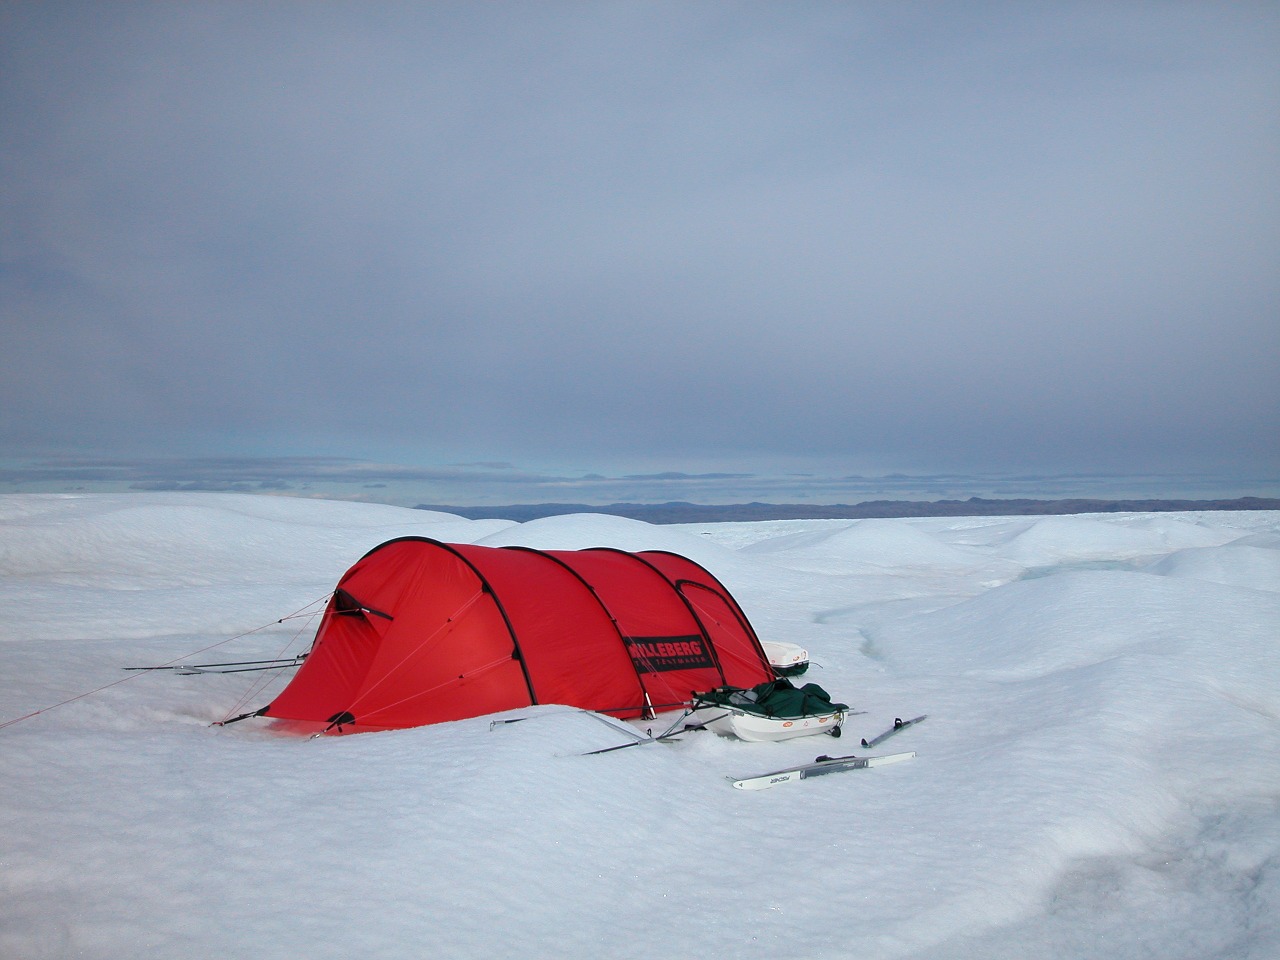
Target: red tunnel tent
(420, 632)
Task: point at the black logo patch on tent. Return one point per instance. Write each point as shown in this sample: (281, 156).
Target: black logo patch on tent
(660, 654)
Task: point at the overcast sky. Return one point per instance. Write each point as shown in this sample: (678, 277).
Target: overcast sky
(612, 237)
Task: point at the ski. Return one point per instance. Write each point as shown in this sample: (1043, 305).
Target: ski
(898, 725)
(821, 766)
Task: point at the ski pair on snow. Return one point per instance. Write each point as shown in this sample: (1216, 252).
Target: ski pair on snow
(823, 765)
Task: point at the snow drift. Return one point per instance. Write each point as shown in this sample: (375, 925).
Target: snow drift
(1099, 775)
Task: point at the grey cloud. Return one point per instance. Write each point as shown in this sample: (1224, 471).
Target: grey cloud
(630, 234)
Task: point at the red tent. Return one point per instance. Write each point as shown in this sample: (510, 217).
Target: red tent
(420, 631)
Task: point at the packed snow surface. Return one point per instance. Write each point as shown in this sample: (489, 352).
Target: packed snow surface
(1099, 775)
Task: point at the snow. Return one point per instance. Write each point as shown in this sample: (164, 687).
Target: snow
(1099, 775)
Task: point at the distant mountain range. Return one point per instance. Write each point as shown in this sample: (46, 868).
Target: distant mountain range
(680, 512)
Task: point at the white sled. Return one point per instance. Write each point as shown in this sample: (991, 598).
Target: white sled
(730, 722)
(774, 710)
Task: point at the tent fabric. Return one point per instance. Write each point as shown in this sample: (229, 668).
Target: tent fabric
(419, 632)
